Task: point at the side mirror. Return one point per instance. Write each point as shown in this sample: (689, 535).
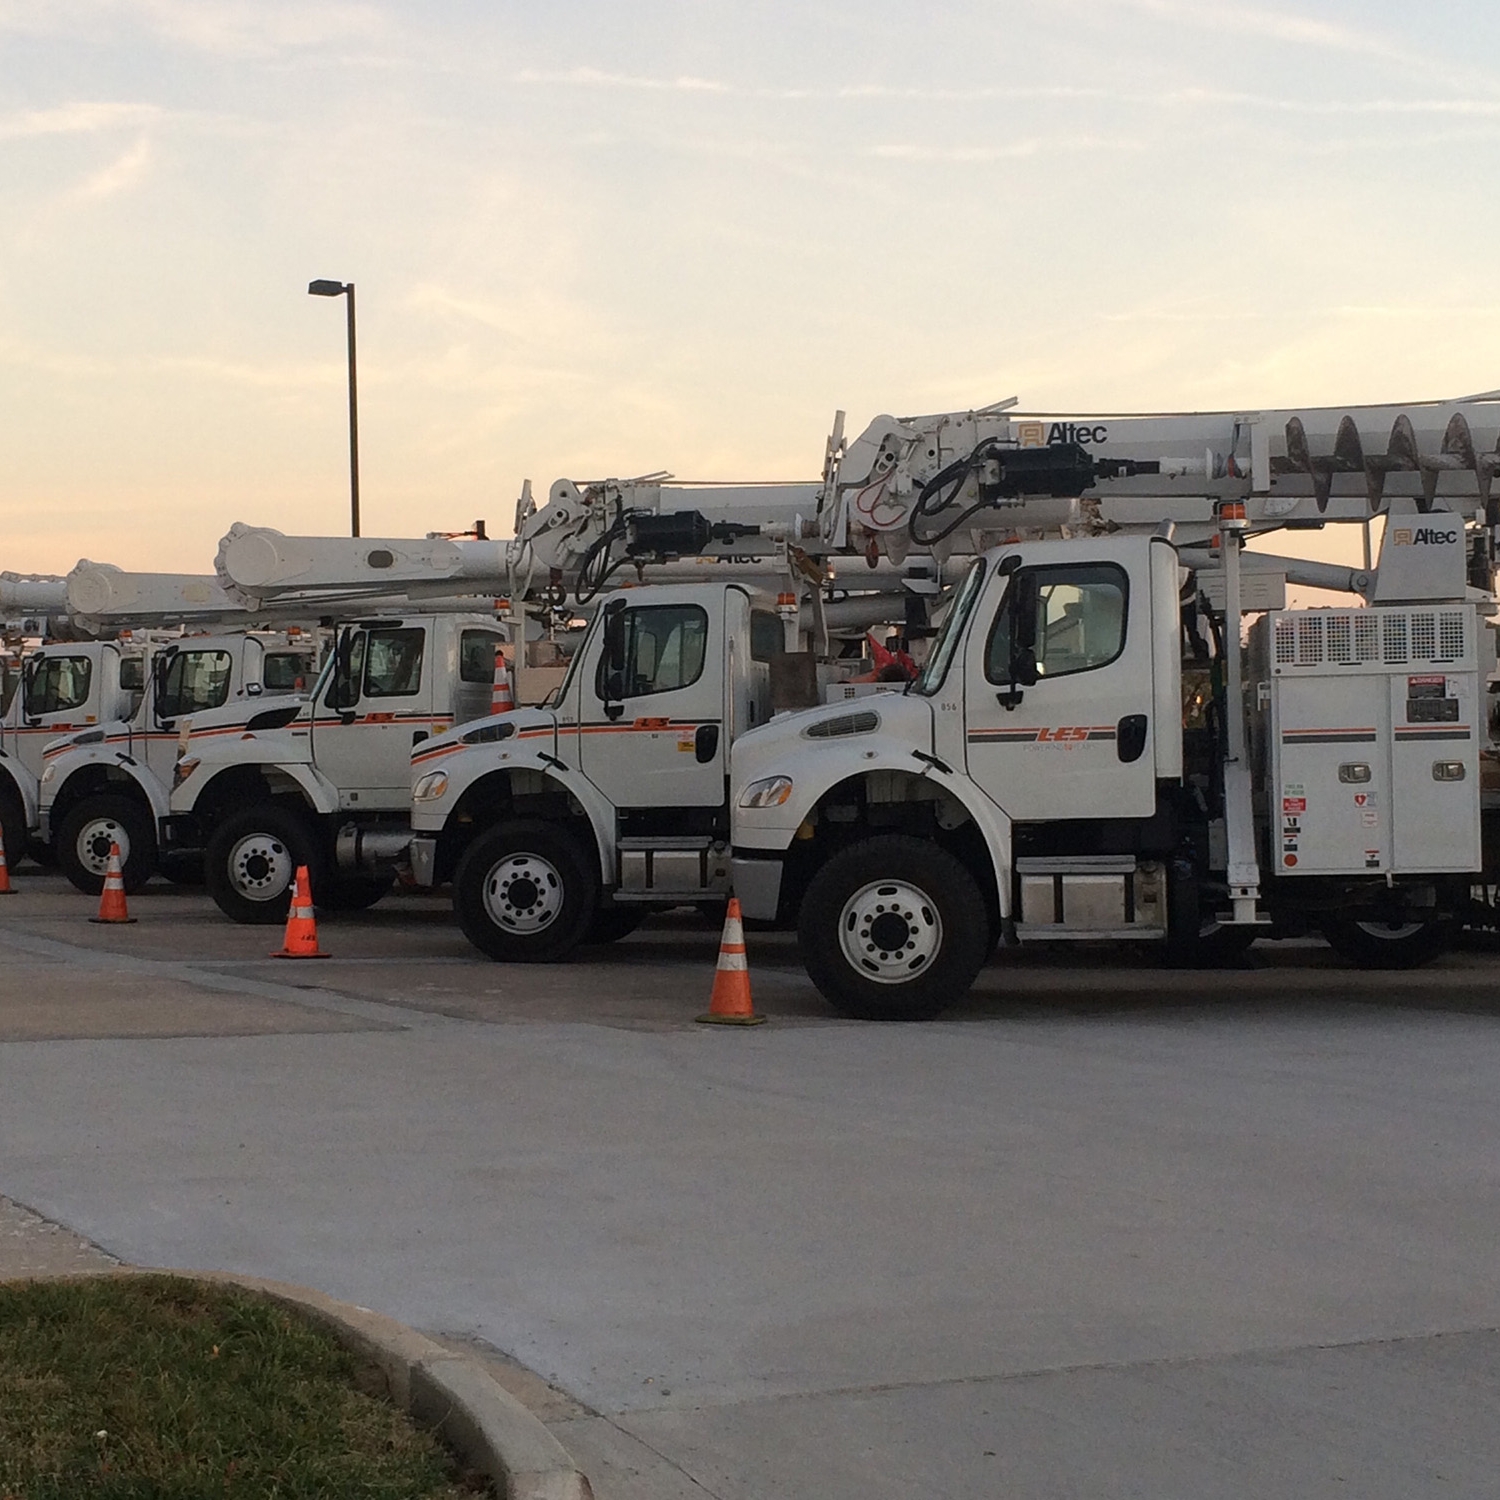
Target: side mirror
(612, 666)
(340, 689)
(614, 638)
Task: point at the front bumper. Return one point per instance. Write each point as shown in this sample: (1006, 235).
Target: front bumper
(757, 884)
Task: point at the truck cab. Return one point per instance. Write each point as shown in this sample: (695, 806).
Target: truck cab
(568, 823)
(61, 687)
(325, 782)
(110, 782)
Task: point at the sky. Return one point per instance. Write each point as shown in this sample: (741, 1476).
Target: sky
(600, 240)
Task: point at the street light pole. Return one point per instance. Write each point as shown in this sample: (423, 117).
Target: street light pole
(346, 289)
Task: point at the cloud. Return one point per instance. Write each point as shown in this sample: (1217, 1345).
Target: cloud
(1010, 151)
(1158, 99)
(81, 118)
(119, 176)
(228, 28)
(1274, 26)
(597, 78)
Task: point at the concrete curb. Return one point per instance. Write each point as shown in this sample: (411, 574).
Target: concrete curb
(440, 1389)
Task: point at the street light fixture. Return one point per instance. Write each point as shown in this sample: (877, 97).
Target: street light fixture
(346, 289)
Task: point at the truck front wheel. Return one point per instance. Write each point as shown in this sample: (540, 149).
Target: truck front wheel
(83, 843)
(1387, 945)
(526, 892)
(893, 929)
(251, 862)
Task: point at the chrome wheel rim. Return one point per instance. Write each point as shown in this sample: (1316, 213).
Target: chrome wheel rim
(523, 894)
(94, 839)
(890, 931)
(260, 867)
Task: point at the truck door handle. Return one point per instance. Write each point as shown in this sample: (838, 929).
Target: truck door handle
(706, 743)
(1130, 738)
(418, 735)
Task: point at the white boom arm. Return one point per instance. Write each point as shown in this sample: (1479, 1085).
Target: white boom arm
(926, 481)
(33, 594)
(913, 490)
(101, 591)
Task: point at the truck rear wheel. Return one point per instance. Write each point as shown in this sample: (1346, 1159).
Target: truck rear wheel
(893, 929)
(526, 892)
(89, 829)
(251, 862)
(1387, 945)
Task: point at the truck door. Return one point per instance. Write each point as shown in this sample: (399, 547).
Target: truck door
(59, 691)
(1058, 692)
(186, 682)
(379, 696)
(651, 730)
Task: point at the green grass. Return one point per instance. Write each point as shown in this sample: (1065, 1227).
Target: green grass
(157, 1388)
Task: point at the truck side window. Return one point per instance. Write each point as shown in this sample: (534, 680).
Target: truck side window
(58, 683)
(476, 656)
(393, 663)
(1079, 625)
(195, 680)
(286, 671)
(767, 638)
(665, 646)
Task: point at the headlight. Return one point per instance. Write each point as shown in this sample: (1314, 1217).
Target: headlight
(431, 786)
(183, 769)
(772, 791)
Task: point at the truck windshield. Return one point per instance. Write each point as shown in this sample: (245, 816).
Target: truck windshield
(930, 679)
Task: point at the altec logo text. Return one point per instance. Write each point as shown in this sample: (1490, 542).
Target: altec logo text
(1424, 536)
(1053, 435)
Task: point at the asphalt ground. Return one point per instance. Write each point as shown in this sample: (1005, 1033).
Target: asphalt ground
(1101, 1231)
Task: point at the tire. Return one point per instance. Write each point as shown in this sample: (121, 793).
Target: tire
(526, 892)
(13, 830)
(1388, 945)
(611, 923)
(903, 891)
(1193, 941)
(91, 826)
(251, 862)
(352, 892)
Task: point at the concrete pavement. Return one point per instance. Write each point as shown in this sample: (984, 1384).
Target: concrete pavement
(1106, 1232)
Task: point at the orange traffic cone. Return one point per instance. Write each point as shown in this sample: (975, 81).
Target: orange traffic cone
(5, 888)
(502, 700)
(301, 940)
(729, 1005)
(112, 897)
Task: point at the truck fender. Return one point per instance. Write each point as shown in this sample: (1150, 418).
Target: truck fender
(64, 768)
(319, 793)
(597, 808)
(851, 763)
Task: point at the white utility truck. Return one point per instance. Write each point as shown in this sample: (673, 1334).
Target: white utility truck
(63, 686)
(567, 824)
(326, 782)
(109, 782)
(1086, 754)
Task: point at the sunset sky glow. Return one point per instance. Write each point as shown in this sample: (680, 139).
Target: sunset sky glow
(593, 239)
